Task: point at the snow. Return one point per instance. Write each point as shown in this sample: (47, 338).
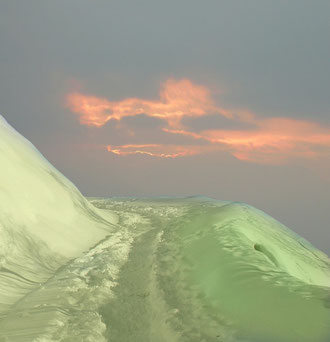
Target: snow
(161, 269)
(44, 220)
(37, 198)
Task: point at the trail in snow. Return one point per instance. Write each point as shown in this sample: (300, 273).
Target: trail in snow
(158, 270)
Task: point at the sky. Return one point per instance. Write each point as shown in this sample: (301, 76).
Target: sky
(226, 99)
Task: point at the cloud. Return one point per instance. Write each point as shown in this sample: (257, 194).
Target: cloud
(177, 99)
(156, 150)
(273, 141)
(276, 140)
(249, 138)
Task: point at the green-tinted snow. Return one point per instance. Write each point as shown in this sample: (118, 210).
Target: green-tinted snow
(182, 270)
(147, 270)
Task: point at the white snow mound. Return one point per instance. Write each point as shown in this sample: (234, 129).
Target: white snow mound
(38, 198)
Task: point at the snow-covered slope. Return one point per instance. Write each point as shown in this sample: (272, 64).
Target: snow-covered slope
(38, 198)
(139, 270)
(44, 220)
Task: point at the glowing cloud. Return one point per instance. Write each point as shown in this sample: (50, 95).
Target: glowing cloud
(155, 150)
(274, 140)
(270, 140)
(178, 99)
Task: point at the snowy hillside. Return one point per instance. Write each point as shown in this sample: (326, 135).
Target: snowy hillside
(147, 270)
(44, 220)
(38, 198)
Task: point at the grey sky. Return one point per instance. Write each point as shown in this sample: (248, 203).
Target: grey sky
(270, 57)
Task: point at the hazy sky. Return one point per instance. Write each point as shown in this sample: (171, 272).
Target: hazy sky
(227, 99)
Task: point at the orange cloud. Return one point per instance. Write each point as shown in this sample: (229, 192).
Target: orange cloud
(156, 150)
(271, 140)
(178, 99)
(274, 140)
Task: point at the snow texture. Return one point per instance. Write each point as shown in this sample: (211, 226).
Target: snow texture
(161, 269)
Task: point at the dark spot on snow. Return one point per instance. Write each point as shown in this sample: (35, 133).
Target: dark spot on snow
(262, 249)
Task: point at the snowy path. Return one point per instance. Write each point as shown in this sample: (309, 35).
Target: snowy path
(187, 270)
